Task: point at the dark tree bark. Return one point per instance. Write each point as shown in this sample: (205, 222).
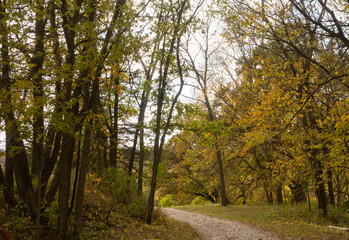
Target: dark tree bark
(224, 200)
(50, 158)
(18, 156)
(5, 70)
(2, 177)
(297, 191)
(268, 193)
(64, 176)
(102, 161)
(38, 117)
(279, 198)
(115, 135)
(76, 176)
(338, 189)
(141, 162)
(330, 188)
(319, 184)
(91, 103)
(54, 137)
(9, 178)
(81, 181)
(69, 23)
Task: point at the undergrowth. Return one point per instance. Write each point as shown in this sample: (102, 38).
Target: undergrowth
(112, 210)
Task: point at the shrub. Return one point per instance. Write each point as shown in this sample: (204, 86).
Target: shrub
(166, 201)
(199, 201)
(124, 189)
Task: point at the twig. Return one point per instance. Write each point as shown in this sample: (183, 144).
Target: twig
(340, 228)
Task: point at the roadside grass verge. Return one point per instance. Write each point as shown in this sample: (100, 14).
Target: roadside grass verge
(295, 221)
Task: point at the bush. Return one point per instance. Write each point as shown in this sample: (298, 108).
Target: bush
(167, 201)
(338, 216)
(199, 201)
(124, 189)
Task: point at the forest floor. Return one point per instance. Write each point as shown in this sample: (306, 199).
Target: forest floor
(214, 228)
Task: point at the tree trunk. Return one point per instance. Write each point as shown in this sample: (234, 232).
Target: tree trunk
(50, 160)
(160, 136)
(9, 180)
(140, 122)
(338, 189)
(2, 177)
(318, 175)
(268, 193)
(100, 151)
(15, 150)
(64, 179)
(38, 117)
(18, 156)
(114, 136)
(81, 182)
(297, 191)
(330, 188)
(321, 192)
(4, 87)
(224, 200)
(151, 198)
(279, 198)
(141, 162)
(133, 151)
(76, 177)
(51, 193)
(37, 64)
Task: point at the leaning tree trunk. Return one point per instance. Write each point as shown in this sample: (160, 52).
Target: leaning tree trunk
(163, 82)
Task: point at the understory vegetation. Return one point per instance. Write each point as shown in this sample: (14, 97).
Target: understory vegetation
(107, 215)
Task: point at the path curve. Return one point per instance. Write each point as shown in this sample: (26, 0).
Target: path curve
(213, 228)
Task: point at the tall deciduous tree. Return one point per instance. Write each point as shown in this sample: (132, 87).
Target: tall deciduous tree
(175, 21)
(203, 76)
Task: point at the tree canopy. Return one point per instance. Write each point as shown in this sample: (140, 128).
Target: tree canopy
(90, 85)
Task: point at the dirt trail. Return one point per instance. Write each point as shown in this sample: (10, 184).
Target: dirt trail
(212, 228)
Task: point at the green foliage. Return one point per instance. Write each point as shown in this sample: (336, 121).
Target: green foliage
(339, 216)
(124, 189)
(199, 201)
(166, 201)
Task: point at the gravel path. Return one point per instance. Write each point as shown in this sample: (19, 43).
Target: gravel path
(213, 228)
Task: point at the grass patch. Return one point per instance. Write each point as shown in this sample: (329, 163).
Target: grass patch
(292, 220)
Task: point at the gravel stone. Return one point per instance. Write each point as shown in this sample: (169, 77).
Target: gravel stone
(213, 228)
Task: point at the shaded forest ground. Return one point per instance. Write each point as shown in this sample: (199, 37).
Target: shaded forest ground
(105, 217)
(295, 221)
